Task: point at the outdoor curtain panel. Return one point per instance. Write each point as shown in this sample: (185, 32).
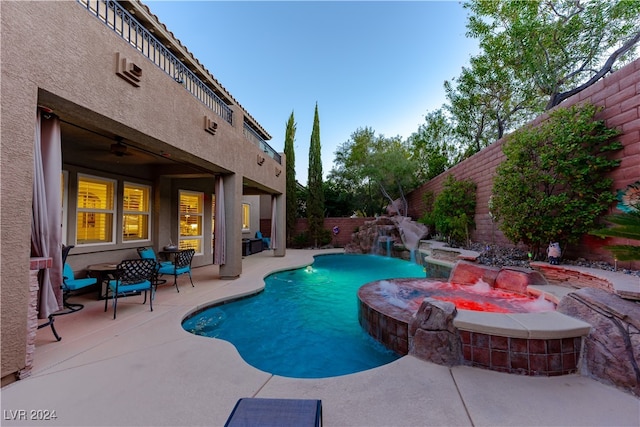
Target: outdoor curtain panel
(220, 232)
(46, 230)
(273, 222)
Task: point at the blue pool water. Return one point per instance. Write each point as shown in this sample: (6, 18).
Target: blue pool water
(305, 322)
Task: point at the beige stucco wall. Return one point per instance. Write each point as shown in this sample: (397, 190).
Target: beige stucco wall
(58, 55)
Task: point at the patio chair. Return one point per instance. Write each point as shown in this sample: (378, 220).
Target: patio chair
(51, 319)
(132, 276)
(263, 412)
(148, 253)
(71, 284)
(266, 241)
(181, 265)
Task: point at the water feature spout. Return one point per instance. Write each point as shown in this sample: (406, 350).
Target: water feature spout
(410, 232)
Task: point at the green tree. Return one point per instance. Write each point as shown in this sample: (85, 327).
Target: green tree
(552, 186)
(391, 166)
(556, 48)
(338, 201)
(301, 197)
(349, 175)
(381, 168)
(315, 194)
(485, 102)
(292, 201)
(432, 146)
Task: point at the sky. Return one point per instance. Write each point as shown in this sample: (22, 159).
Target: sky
(373, 64)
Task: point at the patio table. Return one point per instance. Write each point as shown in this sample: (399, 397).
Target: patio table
(103, 272)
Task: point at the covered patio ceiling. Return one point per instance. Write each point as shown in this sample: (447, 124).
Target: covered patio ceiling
(93, 141)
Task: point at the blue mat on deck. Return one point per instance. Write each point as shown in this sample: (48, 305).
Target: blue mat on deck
(257, 412)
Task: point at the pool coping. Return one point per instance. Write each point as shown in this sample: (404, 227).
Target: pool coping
(547, 325)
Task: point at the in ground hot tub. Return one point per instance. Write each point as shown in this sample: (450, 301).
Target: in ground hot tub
(528, 337)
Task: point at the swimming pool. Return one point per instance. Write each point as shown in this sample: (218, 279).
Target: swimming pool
(305, 322)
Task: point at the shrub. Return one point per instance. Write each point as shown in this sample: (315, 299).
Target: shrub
(427, 218)
(453, 210)
(301, 240)
(625, 225)
(325, 237)
(552, 187)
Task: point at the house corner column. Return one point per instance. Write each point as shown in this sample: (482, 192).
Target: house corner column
(281, 225)
(232, 268)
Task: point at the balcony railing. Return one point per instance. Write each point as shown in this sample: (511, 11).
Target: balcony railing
(114, 16)
(253, 136)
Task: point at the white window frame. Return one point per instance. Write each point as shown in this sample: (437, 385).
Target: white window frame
(246, 206)
(199, 237)
(141, 213)
(113, 211)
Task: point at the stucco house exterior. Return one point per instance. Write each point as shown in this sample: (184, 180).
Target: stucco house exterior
(144, 145)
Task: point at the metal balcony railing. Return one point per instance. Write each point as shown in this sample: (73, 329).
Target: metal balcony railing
(114, 16)
(253, 136)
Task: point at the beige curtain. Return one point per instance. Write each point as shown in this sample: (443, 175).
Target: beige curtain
(274, 222)
(220, 232)
(46, 230)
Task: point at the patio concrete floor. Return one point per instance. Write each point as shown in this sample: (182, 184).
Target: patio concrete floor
(143, 369)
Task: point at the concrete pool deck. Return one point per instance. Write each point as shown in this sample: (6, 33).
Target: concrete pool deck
(143, 369)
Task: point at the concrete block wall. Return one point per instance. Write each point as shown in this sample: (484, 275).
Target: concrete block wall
(619, 94)
(346, 226)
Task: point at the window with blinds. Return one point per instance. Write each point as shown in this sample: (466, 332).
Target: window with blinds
(191, 220)
(246, 217)
(136, 212)
(96, 210)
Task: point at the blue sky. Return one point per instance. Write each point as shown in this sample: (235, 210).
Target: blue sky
(367, 64)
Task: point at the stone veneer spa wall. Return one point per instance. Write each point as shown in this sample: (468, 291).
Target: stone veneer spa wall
(536, 344)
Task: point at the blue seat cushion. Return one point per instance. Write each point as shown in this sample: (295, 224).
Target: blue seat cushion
(149, 253)
(169, 269)
(75, 284)
(141, 286)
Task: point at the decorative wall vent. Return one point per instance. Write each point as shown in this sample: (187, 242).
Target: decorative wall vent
(260, 159)
(210, 126)
(128, 71)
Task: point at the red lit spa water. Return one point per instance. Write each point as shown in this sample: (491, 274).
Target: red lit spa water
(408, 294)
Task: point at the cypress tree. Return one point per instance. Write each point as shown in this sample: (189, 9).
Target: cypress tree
(292, 202)
(315, 194)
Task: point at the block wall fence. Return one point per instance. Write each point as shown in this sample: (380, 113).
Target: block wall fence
(346, 227)
(619, 94)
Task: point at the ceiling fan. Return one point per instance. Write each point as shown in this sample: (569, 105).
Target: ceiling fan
(119, 149)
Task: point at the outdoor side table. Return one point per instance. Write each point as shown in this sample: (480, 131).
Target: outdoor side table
(103, 272)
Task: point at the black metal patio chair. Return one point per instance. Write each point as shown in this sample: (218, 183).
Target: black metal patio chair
(133, 276)
(181, 265)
